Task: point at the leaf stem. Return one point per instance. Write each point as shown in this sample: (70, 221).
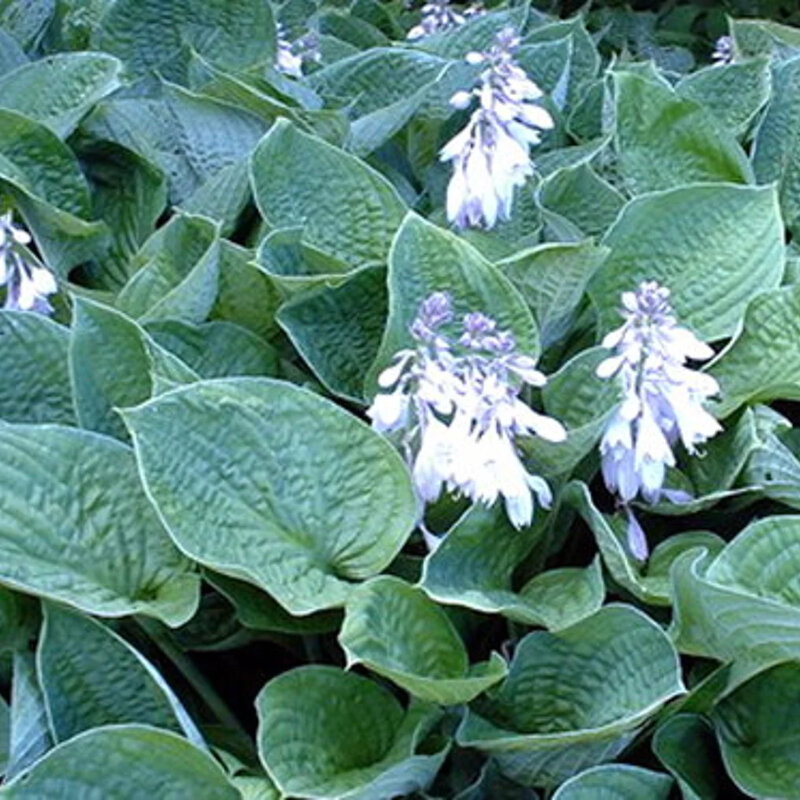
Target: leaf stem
(164, 640)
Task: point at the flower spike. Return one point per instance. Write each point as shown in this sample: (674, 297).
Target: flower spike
(457, 403)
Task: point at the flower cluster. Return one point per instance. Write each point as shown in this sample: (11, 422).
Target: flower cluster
(662, 399)
(27, 284)
(723, 50)
(439, 16)
(290, 56)
(457, 402)
(491, 156)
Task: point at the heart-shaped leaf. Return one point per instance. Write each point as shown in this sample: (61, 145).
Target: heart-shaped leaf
(268, 482)
(398, 632)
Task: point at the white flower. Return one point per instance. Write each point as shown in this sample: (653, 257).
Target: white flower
(662, 399)
(723, 50)
(290, 57)
(438, 16)
(28, 285)
(490, 155)
(457, 402)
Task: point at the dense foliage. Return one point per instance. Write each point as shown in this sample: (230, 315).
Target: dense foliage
(223, 221)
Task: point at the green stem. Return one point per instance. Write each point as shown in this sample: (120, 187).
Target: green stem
(163, 639)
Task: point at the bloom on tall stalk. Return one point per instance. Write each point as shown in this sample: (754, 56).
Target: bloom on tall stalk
(439, 16)
(723, 50)
(457, 403)
(27, 284)
(491, 154)
(290, 56)
(662, 400)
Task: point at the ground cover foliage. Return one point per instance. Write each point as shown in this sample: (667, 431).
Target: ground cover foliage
(212, 579)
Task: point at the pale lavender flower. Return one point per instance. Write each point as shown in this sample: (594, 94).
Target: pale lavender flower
(290, 56)
(723, 50)
(28, 285)
(491, 154)
(457, 403)
(439, 16)
(662, 400)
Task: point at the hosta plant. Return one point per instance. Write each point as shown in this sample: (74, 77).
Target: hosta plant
(398, 400)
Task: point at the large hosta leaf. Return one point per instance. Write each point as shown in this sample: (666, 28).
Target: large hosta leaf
(665, 141)
(58, 90)
(91, 677)
(324, 733)
(426, 259)
(775, 150)
(344, 207)
(713, 245)
(744, 601)
(650, 584)
(616, 782)
(148, 35)
(111, 362)
(734, 93)
(131, 761)
(575, 698)
(30, 736)
(75, 526)
(198, 142)
(552, 278)
(396, 631)
(216, 349)
(47, 185)
(763, 362)
(265, 481)
(685, 746)
(33, 359)
(474, 565)
(338, 329)
(175, 273)
(759, 733)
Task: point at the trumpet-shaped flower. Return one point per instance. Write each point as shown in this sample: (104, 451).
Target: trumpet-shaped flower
(662, 399)
(723, 50)
(491, 154)
(290, 56)
(457, 402)
(439, 16)
(28, 285)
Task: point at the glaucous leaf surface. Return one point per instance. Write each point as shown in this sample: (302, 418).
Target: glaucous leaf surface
(338, 329)
(666, 141)
(147, 763)
(743, 601)
(149, 35)
(91, 677)
(425, 259)
(325, 733)
(616, 782)
(268, 482)
(103, 551)
(58, 90)
(575, 698)
(397, 631)
(33, 357)
(758, 733)
(344, 207)
(713, 245)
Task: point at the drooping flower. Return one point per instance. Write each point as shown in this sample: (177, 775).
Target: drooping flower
(28, 285)
(723, 50)
(457, 403)
(662, 400)
(439, 16)
(290, 56)
(491, 154)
